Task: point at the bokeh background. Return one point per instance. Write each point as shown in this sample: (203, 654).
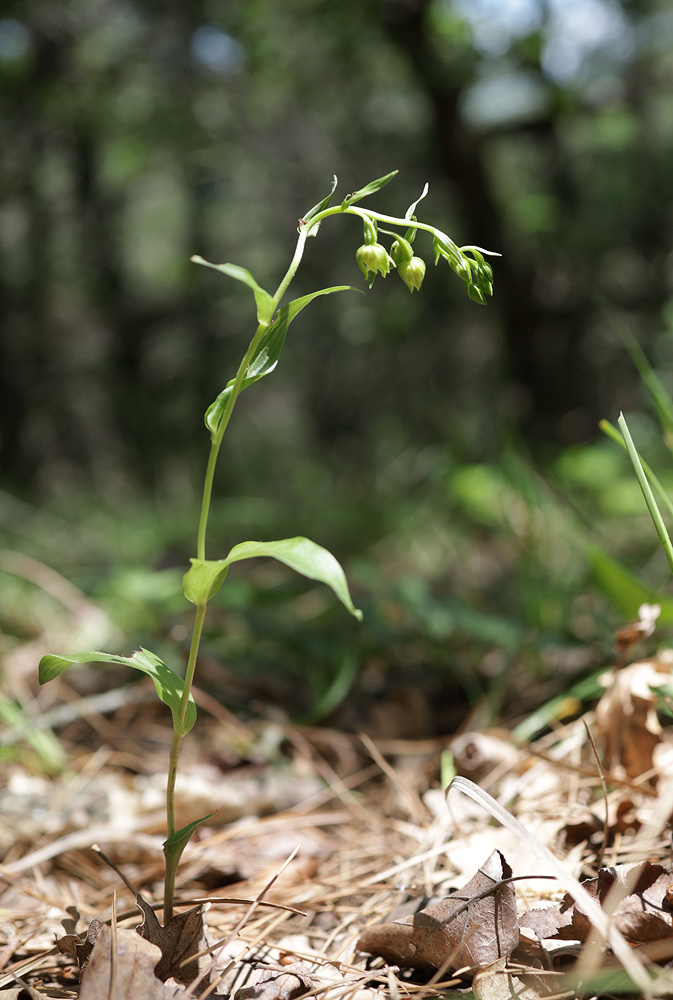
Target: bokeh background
(448, 454)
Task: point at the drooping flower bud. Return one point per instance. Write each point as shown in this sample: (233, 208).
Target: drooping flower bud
(412, 273)
(476, 294)
(401, 251)
(373, 259)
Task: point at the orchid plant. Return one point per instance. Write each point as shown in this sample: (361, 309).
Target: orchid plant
(206, 574)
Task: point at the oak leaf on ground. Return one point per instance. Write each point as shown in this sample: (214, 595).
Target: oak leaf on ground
(475, 926)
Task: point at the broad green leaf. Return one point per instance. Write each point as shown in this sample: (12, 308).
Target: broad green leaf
(264, 301)
(368, 189)
(301, 554)
(203, 580)
(168, 684)
(266, 356)
(321, 206)
(624, 590)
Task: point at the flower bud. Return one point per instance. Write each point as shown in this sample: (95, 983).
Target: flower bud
(373, 259)
(401, 251)
(476, 294)
(412, 273)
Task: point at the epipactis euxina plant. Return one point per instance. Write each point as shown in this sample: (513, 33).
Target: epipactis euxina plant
(206, 575)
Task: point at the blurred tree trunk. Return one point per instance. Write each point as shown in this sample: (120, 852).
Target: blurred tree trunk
(542, 341)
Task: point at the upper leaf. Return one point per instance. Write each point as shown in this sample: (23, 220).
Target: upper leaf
(312, 212)
(203, 579)
(264, 301)
(301, 554)
(168, 684)
(368, 189)
(266, 356)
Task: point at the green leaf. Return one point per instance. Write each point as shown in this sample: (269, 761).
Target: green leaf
(610, 431)
(368, 189)
(266, 356)
(184, 835)
(264, 301)
(301, 554)
(624, 590)
(168, 684)
(321, 206)
(176, 843)
(203, 580)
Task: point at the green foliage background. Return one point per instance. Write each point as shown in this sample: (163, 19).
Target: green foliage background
(397, 431)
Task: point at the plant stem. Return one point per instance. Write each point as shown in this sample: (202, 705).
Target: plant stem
(199, 618)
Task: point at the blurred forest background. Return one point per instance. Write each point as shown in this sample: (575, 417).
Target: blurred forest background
(448, 454)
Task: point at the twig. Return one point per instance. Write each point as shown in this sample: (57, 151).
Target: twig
(606, 819)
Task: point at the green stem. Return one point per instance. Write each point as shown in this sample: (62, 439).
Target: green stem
(169, 879)
(199, 618)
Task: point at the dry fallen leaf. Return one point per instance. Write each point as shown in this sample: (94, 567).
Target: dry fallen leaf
(80, 946)
(474, 927)
(180, 939)
(126, 974)
(643, 915)
(626, 723)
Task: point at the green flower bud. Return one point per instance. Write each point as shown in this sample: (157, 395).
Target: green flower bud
(401, 251)
(476, 294)
(412, 273)
(460, 268)
(373, 259)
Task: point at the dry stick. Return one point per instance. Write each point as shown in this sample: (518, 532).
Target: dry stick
(96, 849)
(606, 820)
(630, 961)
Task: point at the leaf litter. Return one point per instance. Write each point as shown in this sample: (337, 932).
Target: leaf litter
(394, 891)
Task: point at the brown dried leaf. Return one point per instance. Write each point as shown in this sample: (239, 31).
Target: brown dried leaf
(643, 915)
(626, 720)
(474, 927)
(126, 975)
(292, 982)
(181, 938)
(80, 946)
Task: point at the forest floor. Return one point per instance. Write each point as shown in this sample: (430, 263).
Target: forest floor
(336, 865)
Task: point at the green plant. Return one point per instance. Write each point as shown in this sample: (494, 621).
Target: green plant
(205, 576)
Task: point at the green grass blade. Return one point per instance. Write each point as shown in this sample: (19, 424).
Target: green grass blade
(611, 431)
(655, 513)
